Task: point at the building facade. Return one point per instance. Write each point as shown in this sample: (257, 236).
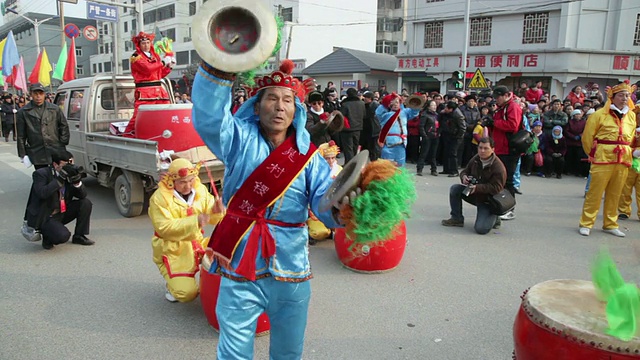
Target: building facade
(390, 31)
(564, 43)
(311, 30)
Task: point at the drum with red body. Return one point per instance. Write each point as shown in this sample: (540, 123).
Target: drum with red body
(209, 288)
(377, 257)
(564, 320)
(170, 125)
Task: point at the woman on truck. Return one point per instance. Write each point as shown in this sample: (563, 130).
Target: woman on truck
(147, 69)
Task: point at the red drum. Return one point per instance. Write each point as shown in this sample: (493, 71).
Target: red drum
(373, 258)
(564, 320)
(209, 288)
(169, 124)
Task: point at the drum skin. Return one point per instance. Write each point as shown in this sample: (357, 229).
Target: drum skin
(154, 120)
(379, 257)
(209, 288)
(534, 342)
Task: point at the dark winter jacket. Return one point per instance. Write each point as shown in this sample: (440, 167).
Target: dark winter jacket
(453, 124)
(37, 136)
(471, 116)
(428, 124)
(353, 109)
(7, 112)
(574, 129)
(371, 124)
(491, 179)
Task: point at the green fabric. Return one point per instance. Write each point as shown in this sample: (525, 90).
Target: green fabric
(623, 299)
(58, 73)
(382, 206)
(163, 46)
(635, 165)
(533, 148)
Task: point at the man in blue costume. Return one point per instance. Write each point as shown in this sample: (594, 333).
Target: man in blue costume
(273, 175)
(393, 135)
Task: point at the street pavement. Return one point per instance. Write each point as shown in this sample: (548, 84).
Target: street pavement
(454, 296)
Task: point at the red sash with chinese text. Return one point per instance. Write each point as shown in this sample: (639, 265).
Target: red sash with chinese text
(387, 127)
(266, 184)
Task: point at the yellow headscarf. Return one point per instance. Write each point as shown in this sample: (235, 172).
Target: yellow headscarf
(179, 168)
(623, 86)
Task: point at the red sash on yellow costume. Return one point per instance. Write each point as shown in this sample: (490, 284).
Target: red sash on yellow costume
(266, 184)
(387, 127)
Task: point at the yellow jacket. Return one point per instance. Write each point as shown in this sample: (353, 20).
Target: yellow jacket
(178, 242)
(604, 126)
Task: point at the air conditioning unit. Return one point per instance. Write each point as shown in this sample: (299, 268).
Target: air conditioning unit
(187, 39)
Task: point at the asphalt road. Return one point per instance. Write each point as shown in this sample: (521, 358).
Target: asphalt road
(454, 296)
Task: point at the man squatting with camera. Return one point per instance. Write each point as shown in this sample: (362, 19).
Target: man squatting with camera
(58, 197)
(484, 176)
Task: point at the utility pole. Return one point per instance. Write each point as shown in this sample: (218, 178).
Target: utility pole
(279, 15)
(36, 24)
(62, 36)
(466, 45)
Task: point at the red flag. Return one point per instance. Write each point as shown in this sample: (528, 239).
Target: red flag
(33, 78)
(11, 79)
(70, 67)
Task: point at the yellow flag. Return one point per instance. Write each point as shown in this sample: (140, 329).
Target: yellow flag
(4, 41)
(44, 76)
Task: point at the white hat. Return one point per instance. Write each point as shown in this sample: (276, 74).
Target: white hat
(591, 111)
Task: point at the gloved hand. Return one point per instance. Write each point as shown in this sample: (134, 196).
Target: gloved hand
(350, 198)
(556, 155)
(166, 61)
(636, 153)
(71, 173)
(15, 111)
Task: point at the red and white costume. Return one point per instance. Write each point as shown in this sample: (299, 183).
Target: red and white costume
(147, 70)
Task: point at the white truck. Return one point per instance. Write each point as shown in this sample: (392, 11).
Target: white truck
(131, 166)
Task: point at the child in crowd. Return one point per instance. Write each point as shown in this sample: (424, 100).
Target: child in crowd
(317, 230)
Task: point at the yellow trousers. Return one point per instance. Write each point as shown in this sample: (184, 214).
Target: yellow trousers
(317, 230)
(183, 288)
(624, 205)
(607, 179)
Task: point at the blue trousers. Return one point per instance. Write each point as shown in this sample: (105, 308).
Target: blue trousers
(485, 220)
(516, 175)
(240, 304)
(396, 153)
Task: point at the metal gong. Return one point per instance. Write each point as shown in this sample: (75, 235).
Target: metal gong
(234, 35)
(346, 181)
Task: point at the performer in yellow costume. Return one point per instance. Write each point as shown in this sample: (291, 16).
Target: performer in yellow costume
(633, 179)
(607, 138)
(317, 230)
(179, 209)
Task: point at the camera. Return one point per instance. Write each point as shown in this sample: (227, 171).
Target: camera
(73, 173)
(467, 190)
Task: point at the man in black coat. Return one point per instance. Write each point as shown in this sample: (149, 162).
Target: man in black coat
(452, 129)
(42, 128)
(58, 197)
(8, 110)
(370, 127)
(354, 110)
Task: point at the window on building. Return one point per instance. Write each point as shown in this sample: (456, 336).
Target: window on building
(99, 67)
(101, 49)
(381, 4)
(195, 58)
(106, 29)
(79, 70)
(95, 69)
(397, 4)
(182, 57)
(535, 28)
(126, 26)
(636, 36)
(170, 33)
(125, 65)
(433, 34)
(107, 66)
(286, 14)
(389, 24)
(480, 32)
(159, 14)
(106, 48)
(133, 26)
(78, 51)
(432, 1)
(192, 8)
(387, 47)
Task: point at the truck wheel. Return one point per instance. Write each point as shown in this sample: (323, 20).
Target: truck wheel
(129, 193)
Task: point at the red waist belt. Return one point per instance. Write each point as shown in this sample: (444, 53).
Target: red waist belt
(618, 150)
(260, 230)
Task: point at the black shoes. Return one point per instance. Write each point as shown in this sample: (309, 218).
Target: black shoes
(82, 240)
(419, 172)
(434, 173)
(46, 245)
(517, 191)
(453, 175)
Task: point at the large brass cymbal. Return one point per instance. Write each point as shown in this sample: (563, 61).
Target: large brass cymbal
(234, 35)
